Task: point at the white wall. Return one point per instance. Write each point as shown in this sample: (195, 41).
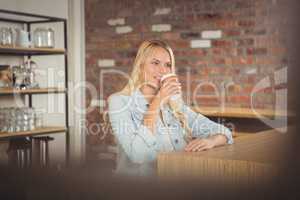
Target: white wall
(57, 8)
(9, 4)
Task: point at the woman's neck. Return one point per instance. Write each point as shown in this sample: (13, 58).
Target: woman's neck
(149, 92)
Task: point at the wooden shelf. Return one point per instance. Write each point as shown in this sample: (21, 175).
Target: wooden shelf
(11, 91)
(17, 51)
(239, 112)
(38, 131)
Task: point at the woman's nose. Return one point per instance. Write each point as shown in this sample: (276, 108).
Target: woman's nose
(163, 70)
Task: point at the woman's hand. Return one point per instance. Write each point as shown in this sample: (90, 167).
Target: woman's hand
(201, 144)
(169, 87)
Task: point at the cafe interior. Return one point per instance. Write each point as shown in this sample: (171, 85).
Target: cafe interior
(61, 60)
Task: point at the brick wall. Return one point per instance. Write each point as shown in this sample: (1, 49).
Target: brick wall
(223, 49)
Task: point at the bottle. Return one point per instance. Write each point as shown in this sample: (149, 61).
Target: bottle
(50, 38)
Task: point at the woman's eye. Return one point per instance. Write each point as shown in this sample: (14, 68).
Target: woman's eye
(155, 63)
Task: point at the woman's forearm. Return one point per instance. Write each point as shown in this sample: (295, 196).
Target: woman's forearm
(152, 114)
(219, 140)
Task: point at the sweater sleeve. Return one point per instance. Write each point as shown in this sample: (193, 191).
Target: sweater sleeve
(203, 127)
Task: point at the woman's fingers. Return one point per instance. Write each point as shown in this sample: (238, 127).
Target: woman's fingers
(200, 147)
(169, 85)
(170, 92)
(197, 145)
(192, 145)
(200, 144)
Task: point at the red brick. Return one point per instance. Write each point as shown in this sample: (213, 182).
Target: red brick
(277, 51)
(217, 51)
(190, 35)
(197, 52)
(228, 61)
(266, 61)
(218, 61)
(256, 51)
(239, 99)
(171, 36)
(247, 89)
(207, 101)
(246, 23)
(245, 42)
(200, 63)
(226, 23)
(179, 44)
(221, 43)
(267, 41)
(207, 88)
(281, 86)
(242, 60)
(232, 33)
(234, 88)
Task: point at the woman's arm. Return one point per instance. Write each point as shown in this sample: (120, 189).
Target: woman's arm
(203, 127)
(170, 87)
(209, 134)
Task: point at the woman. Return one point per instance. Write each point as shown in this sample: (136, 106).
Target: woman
(143, 120)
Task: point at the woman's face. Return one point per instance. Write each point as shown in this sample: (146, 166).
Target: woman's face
(156, 65)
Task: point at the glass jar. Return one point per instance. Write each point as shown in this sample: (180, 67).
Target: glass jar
(31, 68)
(38, 118)
(6, 36)
(40, 38)
(43, 38)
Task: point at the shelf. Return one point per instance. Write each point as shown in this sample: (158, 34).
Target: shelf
(38, 131)
(239, 112)
(11, 91)
(20, 51)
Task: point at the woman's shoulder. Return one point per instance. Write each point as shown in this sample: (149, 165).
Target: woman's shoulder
(118, 98)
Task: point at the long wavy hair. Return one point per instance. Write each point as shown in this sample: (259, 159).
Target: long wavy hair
(137, 79)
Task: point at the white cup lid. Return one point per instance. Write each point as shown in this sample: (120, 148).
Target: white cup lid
(167, 76)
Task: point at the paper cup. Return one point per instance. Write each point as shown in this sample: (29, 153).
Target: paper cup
(175, 101)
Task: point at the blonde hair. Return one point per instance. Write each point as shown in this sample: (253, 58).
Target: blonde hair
(137, 78)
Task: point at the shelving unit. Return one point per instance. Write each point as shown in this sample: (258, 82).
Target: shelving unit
(27, 19)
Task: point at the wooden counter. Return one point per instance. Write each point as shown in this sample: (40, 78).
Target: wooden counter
(253, 158)
(241, 112)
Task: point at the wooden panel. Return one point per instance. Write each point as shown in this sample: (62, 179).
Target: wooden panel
(38, 131)
(253, 158)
